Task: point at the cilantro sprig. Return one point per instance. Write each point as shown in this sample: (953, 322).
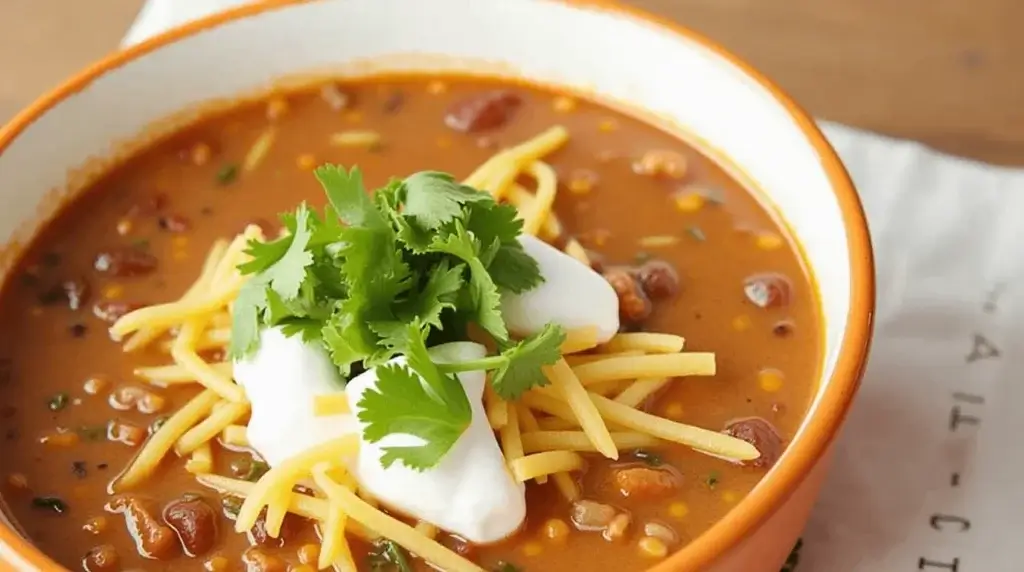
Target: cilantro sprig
(420, 261)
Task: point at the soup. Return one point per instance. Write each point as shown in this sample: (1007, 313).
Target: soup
(128, 444)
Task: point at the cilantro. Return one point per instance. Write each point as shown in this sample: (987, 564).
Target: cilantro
(387, 556)
(416, 399)
(227, 174)
(423, 258)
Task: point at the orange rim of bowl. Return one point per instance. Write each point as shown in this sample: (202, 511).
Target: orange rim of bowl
(819, 431)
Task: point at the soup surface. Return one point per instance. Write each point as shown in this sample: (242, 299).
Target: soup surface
(708, 262)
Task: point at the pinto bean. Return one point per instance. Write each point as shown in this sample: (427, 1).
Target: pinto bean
(124, 262)
(634, 305)
(102, 558)
(768, 290)
(592, 515)
(658, 279)
(111, 312)
(194, 522)
(644, 482)
(258, 561)
(153, 538)
(762, 435)
(483, 112)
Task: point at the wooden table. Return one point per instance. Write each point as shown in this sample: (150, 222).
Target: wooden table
(945, 72)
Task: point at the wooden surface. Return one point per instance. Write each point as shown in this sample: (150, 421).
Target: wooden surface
(949, 73)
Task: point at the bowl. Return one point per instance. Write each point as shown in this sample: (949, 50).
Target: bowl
(656, 69)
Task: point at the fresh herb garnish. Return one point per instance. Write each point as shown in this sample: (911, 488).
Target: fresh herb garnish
(51, 503)
(649, 458)
(387, 556)
(227, 174)
(256, 470)
(58, 402)
(92, 432)
(378, 276)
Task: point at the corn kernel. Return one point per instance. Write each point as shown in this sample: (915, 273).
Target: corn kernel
(769, 241)
(770, 380)
(444, 142)
(95, 525)
(200, 154)
(95, 385)
(532, 548)
(652, 547)
(179, 241)
(564, 104)
(113, 291)
(151, 403)
(689, 202)
(674, 410)
(276, 108)
(124, 226)
(306, 162)
(730, 497)
(741, 323)
(556, 530)
(60, 439)
(309, 553)
(608, 125)
(616, 529)
(217, 564)
(678, 509)
(582, 181)
(437, 87)
(17, 481)
(353, 116)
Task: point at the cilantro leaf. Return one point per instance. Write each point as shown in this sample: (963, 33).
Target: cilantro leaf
(522, 370)
(286, 275)
(489, 222)
(483, 294)
(245, 326)
(513, 270)
(433, 199)
(418, 400)
(348, 196)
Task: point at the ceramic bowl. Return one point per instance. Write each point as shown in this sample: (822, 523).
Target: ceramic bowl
(658, 70)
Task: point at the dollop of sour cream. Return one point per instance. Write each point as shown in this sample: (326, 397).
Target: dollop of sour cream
(470, 492)
(572, 296)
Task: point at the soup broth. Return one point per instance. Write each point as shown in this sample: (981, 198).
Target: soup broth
(707, 260)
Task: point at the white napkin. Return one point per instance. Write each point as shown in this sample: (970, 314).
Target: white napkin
(925, 472)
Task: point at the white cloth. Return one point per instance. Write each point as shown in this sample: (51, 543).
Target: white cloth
(926, 472)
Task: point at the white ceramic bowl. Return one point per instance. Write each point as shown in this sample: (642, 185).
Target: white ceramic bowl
(624, 57)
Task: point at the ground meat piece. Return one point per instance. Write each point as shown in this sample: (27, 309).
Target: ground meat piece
(194, 521)
(592, 515)
(634, 305)
(658, 279)
(153, 538)
(482, 112)
(762, 435)
(644, 482)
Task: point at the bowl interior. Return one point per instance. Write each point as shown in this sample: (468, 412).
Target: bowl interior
(625, 60)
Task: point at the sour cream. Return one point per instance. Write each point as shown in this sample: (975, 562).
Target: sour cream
(282, 380)
(470, 492)
(572, 296)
